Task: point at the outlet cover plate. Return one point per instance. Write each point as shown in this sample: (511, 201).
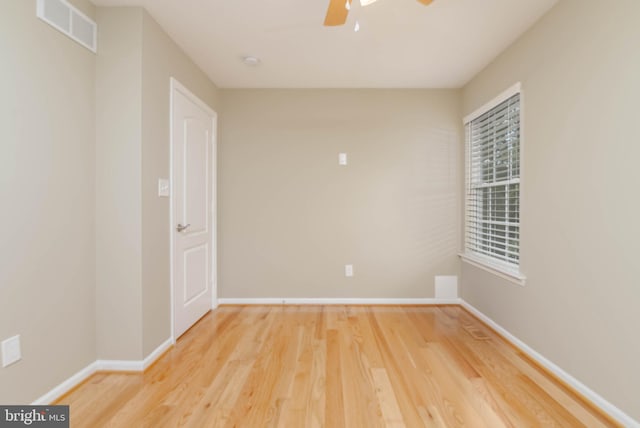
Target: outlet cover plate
(348, 271)
(11, 351)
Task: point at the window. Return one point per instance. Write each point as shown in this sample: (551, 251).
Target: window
(492, 205)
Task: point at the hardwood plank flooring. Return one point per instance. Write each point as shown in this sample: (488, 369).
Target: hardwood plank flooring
(334, 366)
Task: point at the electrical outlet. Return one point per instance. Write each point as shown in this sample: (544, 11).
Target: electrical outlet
(348, 271)
(11, 350)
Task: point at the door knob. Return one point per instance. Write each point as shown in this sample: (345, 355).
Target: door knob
(180, 227)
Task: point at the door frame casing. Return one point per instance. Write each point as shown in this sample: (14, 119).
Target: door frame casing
(175, 85)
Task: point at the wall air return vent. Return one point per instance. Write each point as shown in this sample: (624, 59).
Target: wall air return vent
(69, 20)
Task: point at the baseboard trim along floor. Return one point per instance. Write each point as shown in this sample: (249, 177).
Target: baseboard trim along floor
(596, 400)
(335, 301)
(102, 365)
(135, 366)
(67, 385)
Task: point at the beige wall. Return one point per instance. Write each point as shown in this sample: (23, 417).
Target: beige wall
(84, 258)
(161, 59)
(47, 135)
(84, 263)
(291, 218)
(135, 62)
(118, 184)
(579, 70)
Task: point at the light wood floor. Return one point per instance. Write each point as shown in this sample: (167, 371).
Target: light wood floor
(333, 366)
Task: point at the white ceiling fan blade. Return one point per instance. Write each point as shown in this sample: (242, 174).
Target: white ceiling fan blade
(366, 2)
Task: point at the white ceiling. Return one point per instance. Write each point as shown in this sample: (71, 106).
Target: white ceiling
(401, 43)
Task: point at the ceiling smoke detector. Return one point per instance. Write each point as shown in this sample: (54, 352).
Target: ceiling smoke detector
(251, 61)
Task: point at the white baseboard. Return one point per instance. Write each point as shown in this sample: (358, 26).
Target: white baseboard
(574, 383)
(134, 365)
(100, 365)
(157, 353)
(119, 365)
(335, 301)
(66, 386)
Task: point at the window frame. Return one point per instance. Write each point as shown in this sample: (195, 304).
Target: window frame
(503, 269)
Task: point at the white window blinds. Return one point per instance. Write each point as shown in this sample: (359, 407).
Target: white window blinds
(493, 184)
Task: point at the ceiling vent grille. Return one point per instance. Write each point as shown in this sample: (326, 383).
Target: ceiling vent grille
(70, 21)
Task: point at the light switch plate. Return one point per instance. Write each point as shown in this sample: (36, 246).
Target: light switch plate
(342, 159)
(163, 187)
(11, 350)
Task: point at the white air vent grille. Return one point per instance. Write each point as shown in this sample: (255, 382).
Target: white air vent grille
(69, 20)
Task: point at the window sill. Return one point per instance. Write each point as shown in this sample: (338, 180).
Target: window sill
(503, 272)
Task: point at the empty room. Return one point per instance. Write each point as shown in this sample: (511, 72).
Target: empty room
(321, 213)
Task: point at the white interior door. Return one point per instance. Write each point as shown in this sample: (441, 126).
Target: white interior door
(193, 127)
